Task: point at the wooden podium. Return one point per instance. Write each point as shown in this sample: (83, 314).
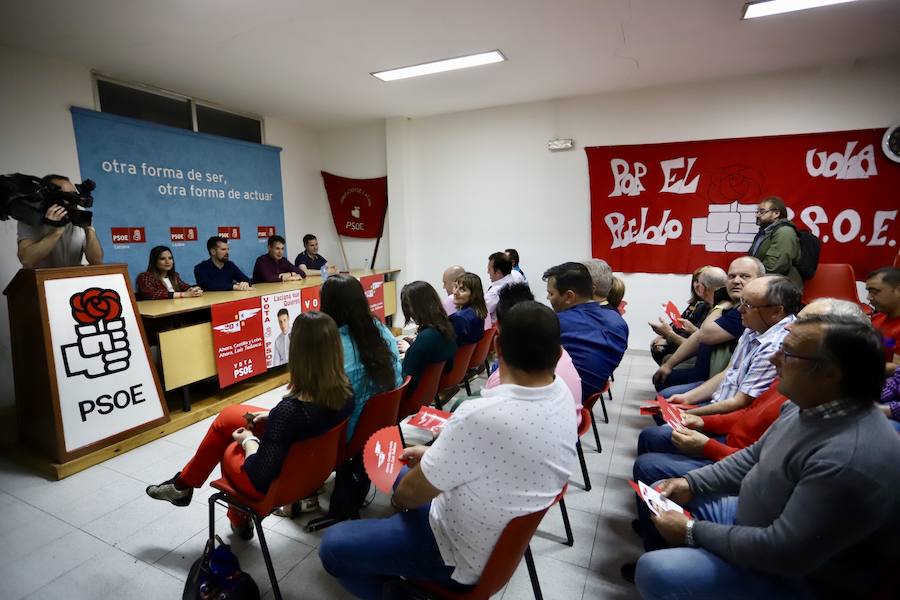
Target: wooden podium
(82, 369)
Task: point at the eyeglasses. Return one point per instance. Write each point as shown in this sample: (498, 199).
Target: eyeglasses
(788, 354)
(747, 306)
(762, 211)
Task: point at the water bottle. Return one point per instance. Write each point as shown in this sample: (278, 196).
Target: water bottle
(324, 272)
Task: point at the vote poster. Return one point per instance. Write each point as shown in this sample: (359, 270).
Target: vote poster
(373, 286)
(238, 340)
(279, 311)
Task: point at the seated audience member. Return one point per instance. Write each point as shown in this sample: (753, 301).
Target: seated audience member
(320, 398)
(501, 456)
(594, 337)
(498, 269)
(310, 259)
(273, 267)
(601, 278)
(513, 255)
(282, 342)
(451, 274)
(768, 304)
(811, 510)
(218, 274)
(890, 400)
(470, 319)
(371, 358)
(44, 246)
(616, 295)
(565, 369)
(715, 333)
(883, 287)
(663, 452)
(777, 244)
(704, 283)
(435, 341)
(160, 281)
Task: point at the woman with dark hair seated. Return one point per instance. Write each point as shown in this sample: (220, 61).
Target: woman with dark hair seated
(471, 317)
(371, 357)
(160, 281)
(320, 398)
(435, 341)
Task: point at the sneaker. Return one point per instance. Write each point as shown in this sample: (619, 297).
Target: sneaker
(167, 491)
(627, 570)
(244, 529)
(310, 504)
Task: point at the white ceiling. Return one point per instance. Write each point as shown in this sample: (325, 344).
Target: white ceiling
(309, 61)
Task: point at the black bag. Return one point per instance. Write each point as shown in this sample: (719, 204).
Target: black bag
(217, 575)
(808, 261)
(351, 486)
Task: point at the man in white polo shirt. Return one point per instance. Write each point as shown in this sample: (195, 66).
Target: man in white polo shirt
(500, 272)
(501, 456)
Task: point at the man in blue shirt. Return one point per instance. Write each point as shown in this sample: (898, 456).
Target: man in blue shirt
(310, 259)
(595, 338)
(218, 274)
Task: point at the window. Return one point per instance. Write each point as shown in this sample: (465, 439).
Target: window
(174, 110)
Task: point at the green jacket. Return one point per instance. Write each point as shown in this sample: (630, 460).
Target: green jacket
(779, 250)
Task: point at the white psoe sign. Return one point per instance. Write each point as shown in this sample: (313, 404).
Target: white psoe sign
(102, 371)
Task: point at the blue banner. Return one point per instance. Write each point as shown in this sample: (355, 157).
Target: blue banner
(159, 185)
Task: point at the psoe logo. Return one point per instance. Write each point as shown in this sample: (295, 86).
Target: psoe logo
(236, 325)
(102, 347)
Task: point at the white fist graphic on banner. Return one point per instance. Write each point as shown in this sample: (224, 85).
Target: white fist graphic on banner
(727, 228)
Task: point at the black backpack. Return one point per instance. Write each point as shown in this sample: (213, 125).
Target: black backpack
(217, 575)
(808, 261)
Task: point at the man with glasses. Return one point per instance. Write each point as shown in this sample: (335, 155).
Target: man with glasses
(811, 509)
(777, 244)
(766, 306)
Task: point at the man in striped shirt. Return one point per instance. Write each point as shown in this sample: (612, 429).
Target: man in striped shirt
(767, 305)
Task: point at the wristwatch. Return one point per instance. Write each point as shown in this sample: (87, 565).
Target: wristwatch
(689, 534)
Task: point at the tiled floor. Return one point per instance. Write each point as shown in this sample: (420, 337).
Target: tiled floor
(96, 535)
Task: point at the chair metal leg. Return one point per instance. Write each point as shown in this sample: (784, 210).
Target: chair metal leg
(603, 406)
(584, 471)
(532, 573)
(276, 592)
(468, 389)
(570, 539)
(212, 515)
(596, 434)
(609, 393)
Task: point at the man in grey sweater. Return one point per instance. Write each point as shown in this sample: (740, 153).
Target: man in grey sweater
(817, 512)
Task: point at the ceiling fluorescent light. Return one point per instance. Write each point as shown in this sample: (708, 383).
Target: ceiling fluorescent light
(767, 8)
(439, 66)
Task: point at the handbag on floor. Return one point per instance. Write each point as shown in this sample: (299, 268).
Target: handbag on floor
(217, 575)
(351, 486)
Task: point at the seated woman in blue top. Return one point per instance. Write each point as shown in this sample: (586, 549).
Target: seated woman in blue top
(471, 310)
(371, 357)
(435, 341)
(319, 399)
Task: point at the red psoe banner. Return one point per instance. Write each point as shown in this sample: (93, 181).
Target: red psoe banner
(238, 340)
(670, 208)
(309, 298)
(373, 286)
(358, 206)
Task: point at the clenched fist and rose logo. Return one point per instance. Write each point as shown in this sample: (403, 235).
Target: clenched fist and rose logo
(102, 346)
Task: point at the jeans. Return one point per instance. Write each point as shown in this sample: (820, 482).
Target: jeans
(365, 555)
(694, 573)
(681, 388)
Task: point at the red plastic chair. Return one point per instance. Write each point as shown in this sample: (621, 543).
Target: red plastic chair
(505, 557)
(479, 357)
(456, 375)
(831, 281)
(582, 429)
(424, 393)
(305, 469)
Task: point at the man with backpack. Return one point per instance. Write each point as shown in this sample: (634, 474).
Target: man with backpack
(777, 244)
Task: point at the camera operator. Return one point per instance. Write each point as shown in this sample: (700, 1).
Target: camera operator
(52, 246)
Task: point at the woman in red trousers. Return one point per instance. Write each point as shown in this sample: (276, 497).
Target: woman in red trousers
(320, 398)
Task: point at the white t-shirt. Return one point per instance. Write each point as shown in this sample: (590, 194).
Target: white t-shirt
(492, 295)
(501, 456)
(67, 252)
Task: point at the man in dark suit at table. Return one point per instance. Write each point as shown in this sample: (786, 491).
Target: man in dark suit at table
(218, 274)
(273, 267)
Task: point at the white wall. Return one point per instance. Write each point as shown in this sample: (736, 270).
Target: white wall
(37, 138)
(475, 182)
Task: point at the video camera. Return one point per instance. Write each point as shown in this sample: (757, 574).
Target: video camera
(27, 198)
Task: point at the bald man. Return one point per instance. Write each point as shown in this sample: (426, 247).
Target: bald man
(451, 274)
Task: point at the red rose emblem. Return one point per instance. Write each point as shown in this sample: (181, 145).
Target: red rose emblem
(94, 304)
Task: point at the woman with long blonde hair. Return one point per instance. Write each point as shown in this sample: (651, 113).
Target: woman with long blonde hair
(320, 397)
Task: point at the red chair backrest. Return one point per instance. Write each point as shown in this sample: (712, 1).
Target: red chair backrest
(380, 411)
(585, 421)
(424, 392)
(831, 281)
(460, 366)
(482, 348)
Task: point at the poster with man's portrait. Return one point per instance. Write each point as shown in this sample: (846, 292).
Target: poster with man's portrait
(279, 312)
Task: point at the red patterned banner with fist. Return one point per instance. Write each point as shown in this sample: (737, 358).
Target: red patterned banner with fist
(673, 207)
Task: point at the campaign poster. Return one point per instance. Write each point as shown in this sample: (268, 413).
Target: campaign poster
(238, 340)
(105, 381)
(309, 298)
(279, 312)
(373, 287)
